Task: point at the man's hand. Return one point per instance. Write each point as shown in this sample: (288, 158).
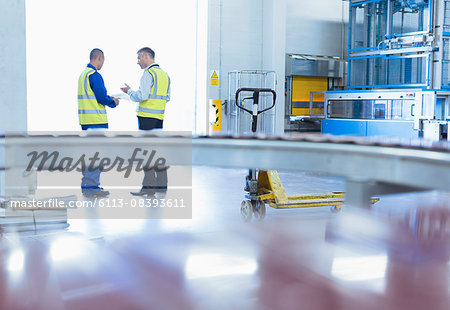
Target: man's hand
(116, 100)
(126, 88)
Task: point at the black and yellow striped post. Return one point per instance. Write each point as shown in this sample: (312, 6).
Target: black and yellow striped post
(216, 114)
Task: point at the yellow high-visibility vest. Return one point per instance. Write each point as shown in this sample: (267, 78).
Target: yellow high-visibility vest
(90, 112)
(155, 105)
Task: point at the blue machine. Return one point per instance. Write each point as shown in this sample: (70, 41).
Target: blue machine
(398, 71)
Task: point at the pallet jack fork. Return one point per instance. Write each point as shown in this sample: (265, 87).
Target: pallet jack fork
(265, 186)
(270, 190)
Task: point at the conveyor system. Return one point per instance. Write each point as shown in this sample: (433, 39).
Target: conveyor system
(370, 166)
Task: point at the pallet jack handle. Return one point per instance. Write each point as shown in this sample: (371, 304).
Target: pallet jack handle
(255, 98)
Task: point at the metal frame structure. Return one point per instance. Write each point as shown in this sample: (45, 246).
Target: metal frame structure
(380, 39)
(369, 167)
(381, 43)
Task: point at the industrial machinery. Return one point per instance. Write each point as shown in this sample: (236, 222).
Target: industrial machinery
(399, 80)
(307, 78)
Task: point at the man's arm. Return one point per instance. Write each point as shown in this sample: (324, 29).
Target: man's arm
(98, 86)
(145, 87)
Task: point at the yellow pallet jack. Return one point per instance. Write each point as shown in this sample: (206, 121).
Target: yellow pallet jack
(265, 186)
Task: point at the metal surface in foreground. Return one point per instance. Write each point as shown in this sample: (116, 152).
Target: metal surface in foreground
(414, 163)
(354, 261)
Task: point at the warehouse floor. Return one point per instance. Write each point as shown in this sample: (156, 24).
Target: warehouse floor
(217, 195)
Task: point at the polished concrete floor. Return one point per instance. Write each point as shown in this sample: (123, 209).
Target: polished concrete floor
(215, 260)
(217, 195)
(216, 200)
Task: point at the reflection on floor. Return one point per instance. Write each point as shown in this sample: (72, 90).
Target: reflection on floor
(395, 256)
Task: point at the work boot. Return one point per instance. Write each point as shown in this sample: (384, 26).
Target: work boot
(144, 192)
(99, 194)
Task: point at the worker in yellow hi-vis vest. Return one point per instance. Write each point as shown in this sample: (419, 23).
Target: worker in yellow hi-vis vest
(92, 100)
(153, 94)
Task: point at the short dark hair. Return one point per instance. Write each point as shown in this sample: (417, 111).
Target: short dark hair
(147, 50)
(95, 53)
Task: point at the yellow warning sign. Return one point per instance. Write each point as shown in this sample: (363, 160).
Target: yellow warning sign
(214, 79)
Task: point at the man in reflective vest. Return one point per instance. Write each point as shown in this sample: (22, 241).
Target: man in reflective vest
(92, 99)
(153, 94)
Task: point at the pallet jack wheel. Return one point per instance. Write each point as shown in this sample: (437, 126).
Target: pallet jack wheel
(259, 209)
(335, 209)
(246, 210)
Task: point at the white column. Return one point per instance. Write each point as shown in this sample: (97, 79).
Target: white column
(274, 50)
(13, 81)
(201, 107)
(214, 57)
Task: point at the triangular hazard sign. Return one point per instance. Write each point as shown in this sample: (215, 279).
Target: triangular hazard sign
(214, 76)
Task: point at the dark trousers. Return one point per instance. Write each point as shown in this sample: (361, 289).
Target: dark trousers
(148, 123)
(154, 179)
(90, 182)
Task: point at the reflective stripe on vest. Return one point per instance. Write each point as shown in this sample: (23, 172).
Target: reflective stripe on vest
(90, 112)
(86, 97)
(153, 111)
(155, 105)
(155, 86)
